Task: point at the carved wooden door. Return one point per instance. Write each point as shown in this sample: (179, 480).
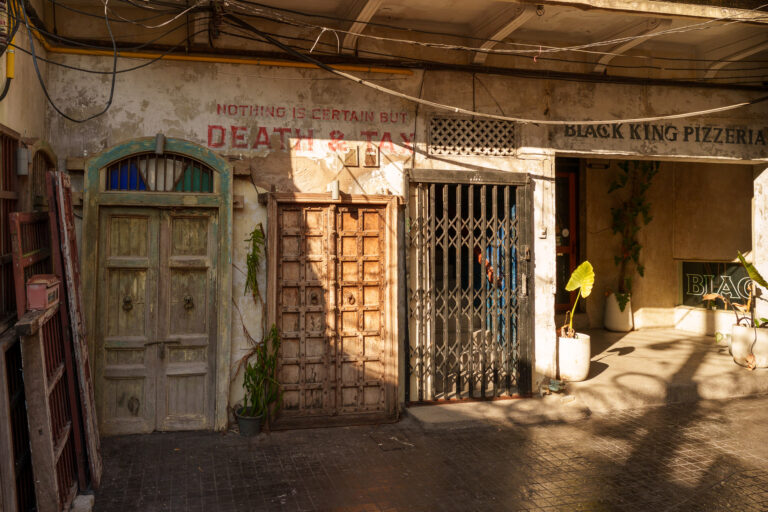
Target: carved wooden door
(333, 365)
(156, 315)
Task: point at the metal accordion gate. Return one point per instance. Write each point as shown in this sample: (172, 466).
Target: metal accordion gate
(470, 325)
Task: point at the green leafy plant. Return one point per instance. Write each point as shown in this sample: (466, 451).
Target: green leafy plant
(628, 218)
(253, 260)
(745, 313)
(582, 279)
(262, 389)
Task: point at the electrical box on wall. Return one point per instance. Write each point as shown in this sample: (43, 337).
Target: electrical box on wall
(22, 161)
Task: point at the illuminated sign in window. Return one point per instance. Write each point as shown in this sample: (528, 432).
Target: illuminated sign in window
(700, 277)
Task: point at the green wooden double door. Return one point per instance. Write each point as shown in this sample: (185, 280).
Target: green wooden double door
(156, 319)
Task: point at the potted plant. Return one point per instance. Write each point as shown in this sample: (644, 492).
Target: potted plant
(262, 390)
(749, 337)
(574, 349)
(626, 220)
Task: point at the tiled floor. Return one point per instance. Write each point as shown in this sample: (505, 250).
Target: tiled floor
(702, 457)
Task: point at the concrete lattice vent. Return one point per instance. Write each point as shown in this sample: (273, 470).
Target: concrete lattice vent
(466, 136)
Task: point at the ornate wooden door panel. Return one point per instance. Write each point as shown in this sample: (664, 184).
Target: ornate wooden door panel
(126, 358)
(360, 284)
(187, 320)
(330, 313)
(307, 353)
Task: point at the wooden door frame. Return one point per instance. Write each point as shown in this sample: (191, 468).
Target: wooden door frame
(94, 198)
(390, 278)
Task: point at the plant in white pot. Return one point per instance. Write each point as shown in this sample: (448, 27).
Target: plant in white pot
(573, 348)
(749, 337)
(633, 212)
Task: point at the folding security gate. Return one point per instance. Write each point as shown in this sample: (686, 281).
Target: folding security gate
(469, 295)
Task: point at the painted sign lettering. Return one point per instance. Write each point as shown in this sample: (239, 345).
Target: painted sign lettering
(703, 134)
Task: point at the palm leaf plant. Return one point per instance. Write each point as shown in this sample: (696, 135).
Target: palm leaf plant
(262, 389)
(582, 279)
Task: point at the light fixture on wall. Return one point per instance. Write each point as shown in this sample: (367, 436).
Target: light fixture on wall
(22, 161)
(333, 187)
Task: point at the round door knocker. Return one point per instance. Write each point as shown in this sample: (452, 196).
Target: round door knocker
(127, 303)
(313, 299)
(188, 302)
(351, 299)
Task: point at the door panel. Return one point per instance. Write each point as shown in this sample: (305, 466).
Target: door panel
(126, 360)
(188, 319)
(330, 312)
(305, 354)
(157, 317)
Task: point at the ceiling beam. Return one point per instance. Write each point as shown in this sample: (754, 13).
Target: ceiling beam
(741, 51)
(637, 34)
(362, 11)
(662, 8)
(501, 26)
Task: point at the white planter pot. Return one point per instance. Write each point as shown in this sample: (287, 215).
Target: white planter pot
(615, 319)
(573, 357)
(748, 340)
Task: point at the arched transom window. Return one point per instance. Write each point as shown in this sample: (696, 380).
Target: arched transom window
(150, 172)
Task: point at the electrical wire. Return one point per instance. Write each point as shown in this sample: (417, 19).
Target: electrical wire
(93, 15)
(160, 25)
(42, 82)
(247, 26)
(126, 70)
(77, 42)
(412, 59)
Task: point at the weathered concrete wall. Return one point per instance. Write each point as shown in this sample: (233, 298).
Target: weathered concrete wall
(700, 212)
(24, 108)
(296, 130)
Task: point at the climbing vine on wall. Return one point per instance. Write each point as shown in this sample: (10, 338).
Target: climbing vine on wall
(631, 214)
(253, 260)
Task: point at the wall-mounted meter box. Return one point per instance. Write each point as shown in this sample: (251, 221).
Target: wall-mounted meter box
(42, 291)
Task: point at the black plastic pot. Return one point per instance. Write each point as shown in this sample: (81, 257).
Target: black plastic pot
(249, 425)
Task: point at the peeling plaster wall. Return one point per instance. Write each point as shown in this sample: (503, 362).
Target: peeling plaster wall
(202, 103)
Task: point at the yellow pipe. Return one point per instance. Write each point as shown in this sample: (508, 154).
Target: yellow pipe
(10, 61)
(214, 59)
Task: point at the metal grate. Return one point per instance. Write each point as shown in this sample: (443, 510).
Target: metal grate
(466, 136)
(8, 199)
(465, 291)
(148, 172)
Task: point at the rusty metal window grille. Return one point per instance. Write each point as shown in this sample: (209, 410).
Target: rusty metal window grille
(466, 287)
(466, 136)
(22, 456)
(8, 199)
(149, 172)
